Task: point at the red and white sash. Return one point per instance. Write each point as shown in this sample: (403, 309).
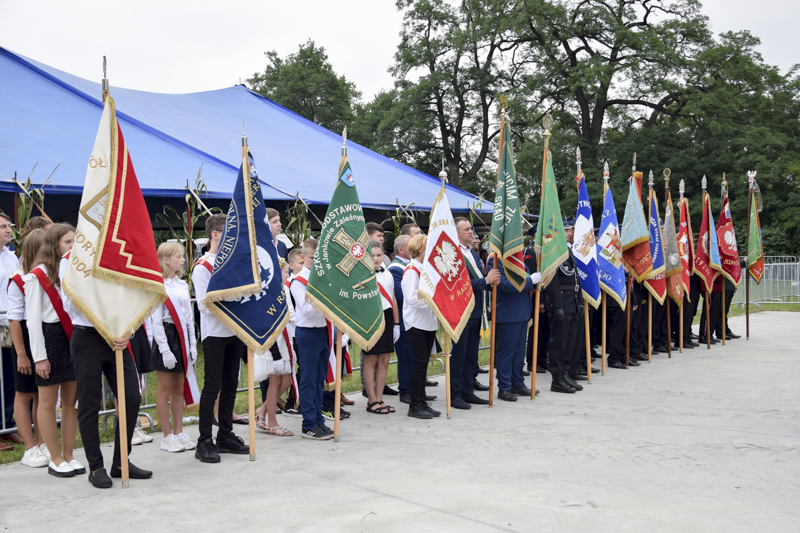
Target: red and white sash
(202, 261)
(16, 278)
(55, 300)
(191, 392)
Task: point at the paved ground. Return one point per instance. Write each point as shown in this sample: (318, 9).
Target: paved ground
(705, 441)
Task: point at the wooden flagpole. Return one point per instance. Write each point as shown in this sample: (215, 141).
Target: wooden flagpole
(122, 420)
(649, 294)
(668, 201)
(722, 294)
(588, 340)
(751, 176)
(337, 402)
(685, 290)
(447, 371)
(628, 324)
(547, 122)
(251, 403)
(603, 353)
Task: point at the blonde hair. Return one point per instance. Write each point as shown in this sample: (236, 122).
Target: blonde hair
(310, 247)
(417, 245)
(165, 250)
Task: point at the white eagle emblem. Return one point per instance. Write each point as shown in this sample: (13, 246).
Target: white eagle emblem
(447, 262)
(730, 240)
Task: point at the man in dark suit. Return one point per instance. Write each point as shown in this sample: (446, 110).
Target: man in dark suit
(615, 316)
(513, 310)
(464, 358)
(531, 263)
(564, 310)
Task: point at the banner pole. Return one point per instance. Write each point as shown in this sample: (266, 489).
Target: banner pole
(251, 403)
(122, 420)
(708, 319)
(337, 402)
(447, 371)
(747, 270)
(722, 304)
(649, 328)
(680, 326)
(628, 325)
(603, 353)
(668, 202)
(588, 341)
(492, 340)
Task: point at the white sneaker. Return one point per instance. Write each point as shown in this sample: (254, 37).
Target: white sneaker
(44, 451)
(171, 443)
(62, 470)
(34, 458)
(139, 432)
(137, 438)
(77, 466)
(187, 441)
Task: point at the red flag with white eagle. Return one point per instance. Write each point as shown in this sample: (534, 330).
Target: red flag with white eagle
(444, 281)
(113, 276)
(728, 251)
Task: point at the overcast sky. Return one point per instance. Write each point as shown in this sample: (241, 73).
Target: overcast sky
(179, 46)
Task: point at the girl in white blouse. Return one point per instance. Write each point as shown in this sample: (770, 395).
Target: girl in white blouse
(421, 325)
(170, 338)
(49, 329)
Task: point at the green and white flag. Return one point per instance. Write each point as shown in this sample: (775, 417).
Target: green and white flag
(506, 238)
(342, 285)
(551, 242)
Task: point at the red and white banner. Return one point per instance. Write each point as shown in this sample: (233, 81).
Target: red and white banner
(113, 276)
(726, 239)
(444, 281)
(686, 246)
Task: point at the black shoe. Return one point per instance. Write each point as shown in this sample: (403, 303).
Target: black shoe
(732, 335)
(541, 370)
(206, 451)
(475, 400)
(134, 472)
(643, 356)
(100, 479)
(405, 397)
(431, 410)
(662, 348)
(581, 376)
(429, 398)
(686, 346)
(483, 370)
(318, 433)
(507, 396)
(633, 362)
(232, 444)
(618, 364)
(595, 355)
(417, 411)
(571, 382)
(695, 337)
(364, 393)
(480, 386)
(431, 383)
(595, 370)
(459, 403)
(559, 384)
(389, 391)
(521, 391)
(703, 340)
(525, 373)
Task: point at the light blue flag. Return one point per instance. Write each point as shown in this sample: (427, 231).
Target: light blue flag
(714, 260)
(609, 254)
(585, 248)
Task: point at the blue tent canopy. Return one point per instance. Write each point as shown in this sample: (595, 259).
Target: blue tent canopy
(49, 117)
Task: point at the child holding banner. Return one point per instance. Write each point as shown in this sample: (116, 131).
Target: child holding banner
(174, 350)
(378, 355)
(50, 329)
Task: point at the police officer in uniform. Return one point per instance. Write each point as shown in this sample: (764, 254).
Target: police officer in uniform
(564, 310)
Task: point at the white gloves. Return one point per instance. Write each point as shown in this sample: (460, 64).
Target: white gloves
(169, 359)
(536, 278)
(192, 354)
(395, 333)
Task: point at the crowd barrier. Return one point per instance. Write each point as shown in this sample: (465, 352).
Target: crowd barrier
(780, 283)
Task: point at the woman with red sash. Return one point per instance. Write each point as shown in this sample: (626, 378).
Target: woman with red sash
(377, 357)
(50, 329)
(174, 350)
(24, 365)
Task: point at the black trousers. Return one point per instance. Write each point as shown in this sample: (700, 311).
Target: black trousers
(222, 356)
(421, 346)
(562, 343)
(715, 310)
(578, 361)
(92, 358)
(615, 336)
(8, 354)
(464, 359)
(638, 328)
(659, 324)
(543, 341)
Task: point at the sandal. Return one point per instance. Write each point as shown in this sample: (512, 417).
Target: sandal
(381, 410)
(278, 432)
(389, 408)
(261, 422)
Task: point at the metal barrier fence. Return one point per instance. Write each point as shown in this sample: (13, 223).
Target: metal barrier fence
(780, 283)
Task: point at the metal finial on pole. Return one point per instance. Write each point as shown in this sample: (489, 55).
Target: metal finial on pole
(244, 137)
(344, 142)
(650, 181)
(704, 183)
(633, 169)
(605, 174)
(751, 177)
(443, 174)
(105, 81)
(503, 104)
(667, 174)
(681, 188)
(578, 161)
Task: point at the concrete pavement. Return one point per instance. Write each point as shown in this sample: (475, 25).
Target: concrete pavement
(705, 441)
